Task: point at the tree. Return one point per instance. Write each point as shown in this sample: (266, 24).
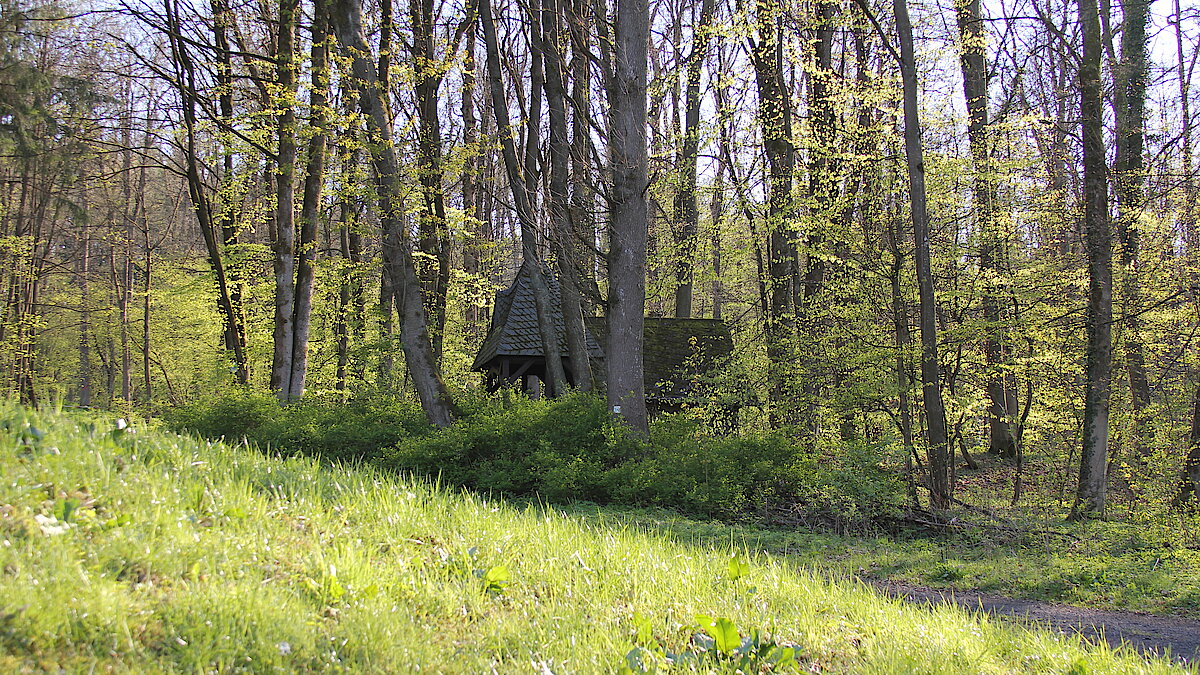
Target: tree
(414, 330)
(1090, 497)
(775, 119)
(941, 483)
(687, 213)
(1129, 179)
(999, 386)
(433, 237)
(285, 202)
(183, 76)
(627, 158)
(520, 187)
(566, 247)
(314, 180)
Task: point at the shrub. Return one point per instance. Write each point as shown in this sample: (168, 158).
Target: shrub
(571, 449)
(239, 413)
(357, 429)
(559, 449)
(768, 475)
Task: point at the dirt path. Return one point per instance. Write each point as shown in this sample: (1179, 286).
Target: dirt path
(1147, 633)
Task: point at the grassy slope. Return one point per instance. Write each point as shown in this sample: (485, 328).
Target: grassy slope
(1145, 566)
(189, 555)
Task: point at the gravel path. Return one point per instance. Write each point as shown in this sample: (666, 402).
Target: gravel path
(1147, 633)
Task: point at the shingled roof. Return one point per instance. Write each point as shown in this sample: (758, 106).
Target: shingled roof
(675, 352)
(514, 328)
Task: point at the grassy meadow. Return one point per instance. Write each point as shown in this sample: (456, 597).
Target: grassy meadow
(131, 550)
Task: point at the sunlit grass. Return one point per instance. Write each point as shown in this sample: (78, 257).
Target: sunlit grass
(1147, 564)
(151, 552)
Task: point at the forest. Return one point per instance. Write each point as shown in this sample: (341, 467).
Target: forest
(583, 336)
(941, 236)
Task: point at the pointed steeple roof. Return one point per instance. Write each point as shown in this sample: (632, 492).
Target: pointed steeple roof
(514, 328)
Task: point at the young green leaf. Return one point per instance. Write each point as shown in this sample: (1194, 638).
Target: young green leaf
(726, 636)
(641, 624)
(495, 579)
(737, 568)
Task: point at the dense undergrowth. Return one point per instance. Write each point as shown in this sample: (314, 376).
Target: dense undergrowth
(569, 449)
(130, 550)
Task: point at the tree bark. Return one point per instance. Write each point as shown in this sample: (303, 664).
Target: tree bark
(1191, 237)
(433, 238)
(628, 221)
(85, 313)
(822, 186)
(414, 332)
(775, 117)
(1190, 484)
(285, 202)
(140, 211)
(314, 179)
(519, 186)
(1129, 183)
(1093, 480)
(716, 214)
(687, 211)
(972, 59)
(123, 275)
(941, 484)
(566, 247)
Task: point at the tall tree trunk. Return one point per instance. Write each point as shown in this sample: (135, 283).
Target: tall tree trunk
(941, 484)
(973, 61)
(414, 332)
(901, 333)
(224, 220)
(822, 189)
(567, 249)
(144, 220)
(314, 179)
(350, 323)
(686, 210)
(1191, 237)
(581, 220)
(822, 185)
(1130, 181)
(1190, 483)
(341, 326)
(520, 188)
(185, 78)
(285, 202)
(775, 117)
(473, 247)
(716, 214)
(387, 303)
(1093, 480)
(433, 237)
(85, 314)
(123, 276)
(628, 221)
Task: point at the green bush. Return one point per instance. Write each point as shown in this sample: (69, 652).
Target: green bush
(570, 449)
(357, 429)
(768, 475)
(560, 449)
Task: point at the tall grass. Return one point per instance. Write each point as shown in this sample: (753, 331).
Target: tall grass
(131, 550)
